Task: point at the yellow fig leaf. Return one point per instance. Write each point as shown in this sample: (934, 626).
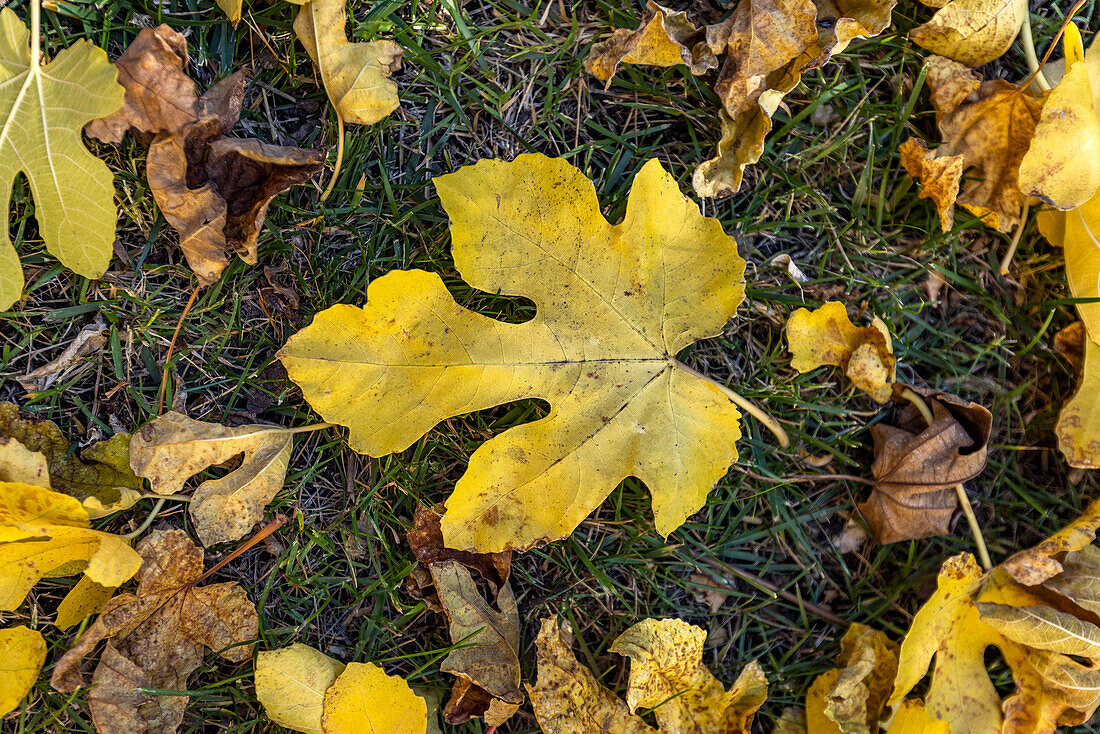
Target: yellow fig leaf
(83, 600)
(1061, 167)
(972, 32)
(364, 698)
(615, 305)
(291, 685)
(171, 449)
(41, 119)
(912, 718)
(356, 76)
(850, 699)
(22, 653)
(827, 336)
(1078, 427)
(667, 674)
(43, 533)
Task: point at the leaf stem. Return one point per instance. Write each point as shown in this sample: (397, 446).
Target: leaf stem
(36, 35)
(1028, 42)
(742, 402)
(311, 427)
(964, 501)
(1016, 237)
(172, 348)
(148, 520)
(339, 157)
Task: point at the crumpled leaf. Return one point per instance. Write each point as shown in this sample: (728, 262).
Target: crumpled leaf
(917, 466)
(972, 32)
(99, 476)
(22, 654)
(291, 685)
(826, 336)
(364, 698)
(171, 449)
(45, 533)
(88, 340)
(939, 177)
(1045, 633)
(213, 190)
(850, 698)
(615, 304)
(485, 623)
(156, 638)
(43, 108)
(768, 45)
(666, 660)
(356, 75)
(990, 124)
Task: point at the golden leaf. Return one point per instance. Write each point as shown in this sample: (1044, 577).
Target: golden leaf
(665, 38)
(156, 638)
(232, 9)
(364, 698)
(20, 464)
(43, 109)
(827, 336)
(912, 718)
(850, 699)
(291, 685)
(1078, 427)
(615, 304)
(972, 32)
(171, 449)
(22, 653)
(939, 177)
(46, 533)
(85, 599)
(356, 76)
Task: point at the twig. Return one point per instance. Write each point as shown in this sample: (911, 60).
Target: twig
(1016, 237)
(265, 531)
(1053, 44)
(172, 348)
(808, 478)
(339, 157)
(311, 427)
(745, 404)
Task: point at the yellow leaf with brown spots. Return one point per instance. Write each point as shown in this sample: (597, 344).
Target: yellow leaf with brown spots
(291, 685)
(22, 653)
(826, 336)
(939, 177)
(850, 698)
(972, 32)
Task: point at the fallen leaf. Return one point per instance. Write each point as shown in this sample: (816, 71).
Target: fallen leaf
(83, 600)
(990, 124)
(356, 76)
(88, 340)
(364, 698)
(1045, 634)
(1078, 427)
(171, 449)
(939, 177)
(44, 107)
(232, 9)
(827, 336)
(704, 590)
(22, 654)
(20, 464)
(156, 638)
(291, 685)
(1070, 343)
(665, 38)
(972, 32)
(45, 533)
(912, 718)
(917, 466)
(615, 304)
(667, 674)
(99, 476)
(213, 190)
(484, 624)
(850, 698)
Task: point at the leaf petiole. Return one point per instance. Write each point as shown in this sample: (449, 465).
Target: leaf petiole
(745, 404)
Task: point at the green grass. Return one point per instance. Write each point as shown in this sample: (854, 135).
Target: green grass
(833, 197)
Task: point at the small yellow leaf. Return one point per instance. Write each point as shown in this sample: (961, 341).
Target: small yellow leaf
(939, 177)
(20, 464)
(44, 533)
(83, 600)
(912, 718)
(972, 32)
(827, 336)
(22, 653)
(356, 75)
(364, 698)
(232, 9)
(291, 685)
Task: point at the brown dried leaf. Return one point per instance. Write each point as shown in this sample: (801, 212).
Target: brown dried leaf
(156, 638)
(213, 190)
(939, 177)
(917, 467)
(1070, 343)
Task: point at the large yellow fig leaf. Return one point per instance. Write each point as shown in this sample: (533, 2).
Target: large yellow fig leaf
(1037, 609)
(43, 108)
(615, 305)
(47, 533)
(972, 32)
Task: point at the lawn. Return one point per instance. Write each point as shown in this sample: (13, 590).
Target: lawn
(493, 79)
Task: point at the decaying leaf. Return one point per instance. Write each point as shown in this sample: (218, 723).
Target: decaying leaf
(827, 336)
(22, 654)
(156, 638)
(990, 124)
(171, 449)
(917, 466)
(213, 190)
(768, 45)
(939, 177)
(44, 533)
(99, 476)
(972, 32)
(485, 624)
(615, 304)
(666, 671)
(365, 698)
(44, 107)
(356, 75)
(1044, 630)
(850, 698)
(88, 340)
(291, 685)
